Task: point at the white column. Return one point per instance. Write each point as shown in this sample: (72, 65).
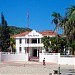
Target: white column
(26, 40)
(40, 40)
(29, 52)
(23, 49)
(30, 40)
(37, 51)
(37, 40)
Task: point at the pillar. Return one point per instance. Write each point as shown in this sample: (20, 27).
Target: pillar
(37, 52)
(26, 40)
(40, 40)
(37, 40)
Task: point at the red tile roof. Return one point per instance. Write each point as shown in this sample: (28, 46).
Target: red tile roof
(21, 34)
(48, 33)
(44, 33)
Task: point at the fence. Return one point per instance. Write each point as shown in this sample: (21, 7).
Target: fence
(6, 56)
(49, 57)
(67, 59)
(57, 58)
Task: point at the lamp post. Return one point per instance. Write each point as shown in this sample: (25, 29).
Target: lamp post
(59, 70)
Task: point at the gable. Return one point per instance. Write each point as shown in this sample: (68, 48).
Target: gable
(34, 34)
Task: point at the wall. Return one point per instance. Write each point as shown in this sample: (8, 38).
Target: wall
(14, 57)
(49, 57)
(56, 58)
(67, 60)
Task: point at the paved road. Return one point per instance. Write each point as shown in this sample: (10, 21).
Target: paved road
(33, 68)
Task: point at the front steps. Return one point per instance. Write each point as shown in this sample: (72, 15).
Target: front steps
(35, 59)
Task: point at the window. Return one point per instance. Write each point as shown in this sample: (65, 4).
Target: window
(20, 49)
(38, 40)
(27, 40)
(20, 40)
(34, 40)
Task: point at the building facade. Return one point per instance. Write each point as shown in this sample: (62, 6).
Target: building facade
(30, 42)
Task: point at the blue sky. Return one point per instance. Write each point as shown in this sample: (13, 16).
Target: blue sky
(15, 12)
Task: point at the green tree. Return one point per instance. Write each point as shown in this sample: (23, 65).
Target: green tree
(56, 20)
(68, 23)
(46, 42)
(56, 46)
(5, 36)
(73, 47)
(12, 44)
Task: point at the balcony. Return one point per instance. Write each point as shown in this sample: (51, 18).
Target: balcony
(32, 45)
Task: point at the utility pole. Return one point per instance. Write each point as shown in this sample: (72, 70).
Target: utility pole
(28, 34)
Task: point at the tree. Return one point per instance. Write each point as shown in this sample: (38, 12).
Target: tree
(5, 34)
(46, 42)
(57, 18)
(73, 47)
(12, 44)
(68, 23)
(58, 46)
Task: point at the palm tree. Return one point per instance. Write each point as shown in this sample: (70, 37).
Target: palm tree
(56, 20)
(70, 11)
(12, 44)
(68, 23)
(71, 23)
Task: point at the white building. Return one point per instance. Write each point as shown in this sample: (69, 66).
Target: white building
(30, 47)
(30, 42)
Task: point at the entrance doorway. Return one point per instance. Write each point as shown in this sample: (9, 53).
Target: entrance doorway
(35, 52)
(34, 55)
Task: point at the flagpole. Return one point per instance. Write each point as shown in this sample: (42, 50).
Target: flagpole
(28, 18)
(28, 34)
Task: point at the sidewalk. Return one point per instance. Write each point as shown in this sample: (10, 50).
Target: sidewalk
(31, 68)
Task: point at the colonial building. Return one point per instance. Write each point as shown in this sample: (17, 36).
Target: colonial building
(30, 42)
